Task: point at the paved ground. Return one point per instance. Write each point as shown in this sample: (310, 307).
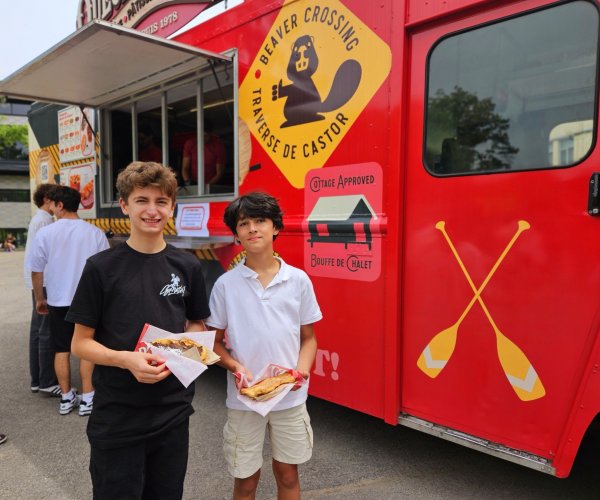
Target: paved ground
(356, 456)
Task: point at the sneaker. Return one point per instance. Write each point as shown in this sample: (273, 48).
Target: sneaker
(52, 390)
(3, 438)
(85, 408)
(66, 405)
(35, 388)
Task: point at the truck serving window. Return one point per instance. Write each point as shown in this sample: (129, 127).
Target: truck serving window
(187, 124)
(519, 94)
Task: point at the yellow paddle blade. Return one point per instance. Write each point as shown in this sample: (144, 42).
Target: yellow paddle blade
(518, 370)
(437, 353)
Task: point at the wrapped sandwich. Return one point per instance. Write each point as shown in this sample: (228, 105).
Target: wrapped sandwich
(268, 387)
(185, 347)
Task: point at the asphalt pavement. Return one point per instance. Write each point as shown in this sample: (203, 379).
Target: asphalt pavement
(355, 457)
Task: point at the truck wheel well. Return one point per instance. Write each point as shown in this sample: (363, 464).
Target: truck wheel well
(587, 454)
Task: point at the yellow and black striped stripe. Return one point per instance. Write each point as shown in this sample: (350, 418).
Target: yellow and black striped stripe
(205, 254)
(34, 163)
(121, 225)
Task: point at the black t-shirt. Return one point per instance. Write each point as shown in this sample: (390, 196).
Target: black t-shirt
(120, 290)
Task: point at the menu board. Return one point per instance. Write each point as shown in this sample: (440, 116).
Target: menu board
(81, 178)
(75, 136)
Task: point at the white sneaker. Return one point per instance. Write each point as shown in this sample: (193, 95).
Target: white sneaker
(66, 405)
(52, 390)
(85, 408)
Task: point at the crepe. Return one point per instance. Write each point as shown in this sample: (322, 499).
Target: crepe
(268, 385)
(185, 346)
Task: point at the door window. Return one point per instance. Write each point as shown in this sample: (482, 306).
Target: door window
(519, 94)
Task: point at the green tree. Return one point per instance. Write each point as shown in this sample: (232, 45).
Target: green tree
(13, 142)
(466, 134)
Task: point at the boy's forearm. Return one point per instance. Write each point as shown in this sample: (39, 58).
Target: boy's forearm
(91, 350)
(308, 349)
(227, 361)
(146, 367)
(308, 353)
(37, 281)
(196, 326)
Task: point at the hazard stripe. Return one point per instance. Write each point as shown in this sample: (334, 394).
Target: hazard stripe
(122, 225)
(57, 164)
(205, 254)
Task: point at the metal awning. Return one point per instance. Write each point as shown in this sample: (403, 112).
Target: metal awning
(103, 63)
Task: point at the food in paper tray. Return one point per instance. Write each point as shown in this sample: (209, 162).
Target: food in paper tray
(268, 385)
(187, 347)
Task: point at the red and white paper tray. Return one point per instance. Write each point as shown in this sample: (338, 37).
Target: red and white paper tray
(264, 404)
(185, 368)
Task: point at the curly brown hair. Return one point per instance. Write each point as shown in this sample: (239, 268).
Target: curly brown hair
(142, 174)
(42, 192)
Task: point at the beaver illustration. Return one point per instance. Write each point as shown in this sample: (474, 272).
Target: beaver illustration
(303, 103)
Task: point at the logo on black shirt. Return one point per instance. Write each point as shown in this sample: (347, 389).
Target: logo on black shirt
(173, 288)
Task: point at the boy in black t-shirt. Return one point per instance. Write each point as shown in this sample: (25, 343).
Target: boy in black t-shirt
(138, 429)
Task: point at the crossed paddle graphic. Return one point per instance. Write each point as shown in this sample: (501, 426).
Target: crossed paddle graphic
(518, 369)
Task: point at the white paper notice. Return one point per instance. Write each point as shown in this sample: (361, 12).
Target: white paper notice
(192, 219)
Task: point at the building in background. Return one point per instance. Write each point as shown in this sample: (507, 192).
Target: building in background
(15, 195)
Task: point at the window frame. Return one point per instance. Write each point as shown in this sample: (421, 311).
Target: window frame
(107, 179)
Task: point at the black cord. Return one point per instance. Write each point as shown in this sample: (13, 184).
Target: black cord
(88, 122)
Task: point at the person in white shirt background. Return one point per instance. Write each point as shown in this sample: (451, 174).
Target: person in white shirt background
(58, 256)
(41, 354)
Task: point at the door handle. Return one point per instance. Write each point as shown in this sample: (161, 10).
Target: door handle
(594, 194)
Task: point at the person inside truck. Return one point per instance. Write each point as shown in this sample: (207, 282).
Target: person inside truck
(268, 309)
(148, 150)
(214, 159)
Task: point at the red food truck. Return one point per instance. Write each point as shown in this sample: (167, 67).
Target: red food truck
(438, 167)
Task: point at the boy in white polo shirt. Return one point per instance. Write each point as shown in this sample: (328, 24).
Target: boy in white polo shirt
(268, 309)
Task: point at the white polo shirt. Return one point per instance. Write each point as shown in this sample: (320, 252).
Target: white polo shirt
(60, 251)
(263, 324)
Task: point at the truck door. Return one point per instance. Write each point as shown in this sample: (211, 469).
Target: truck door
(501, 254)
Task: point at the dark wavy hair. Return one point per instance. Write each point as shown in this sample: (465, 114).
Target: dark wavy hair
(42, 192)
(253, 205)
(69, 197)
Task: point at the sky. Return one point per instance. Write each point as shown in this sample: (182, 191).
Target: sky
(30, 27)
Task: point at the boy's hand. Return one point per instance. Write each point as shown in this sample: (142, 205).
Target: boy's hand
(300, 376)
(147, 368)
(240, 372)
(41, 306)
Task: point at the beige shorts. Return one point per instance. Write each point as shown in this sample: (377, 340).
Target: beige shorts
(290, 434)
